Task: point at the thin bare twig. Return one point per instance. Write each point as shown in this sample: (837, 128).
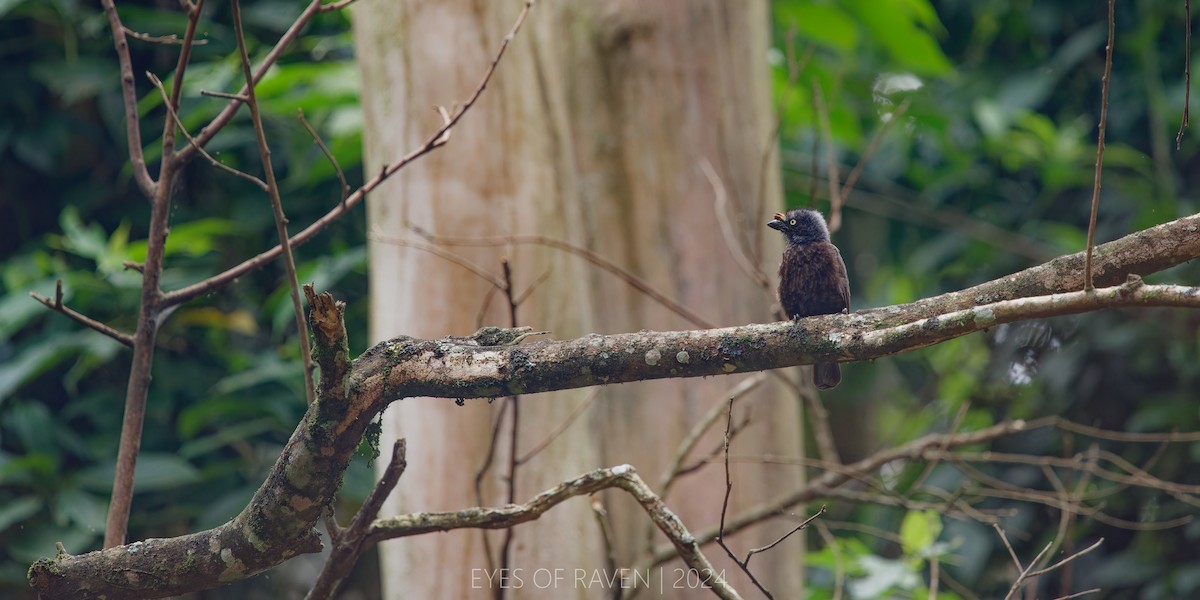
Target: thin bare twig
(328, 154)
(479, 271)
(1079, 594)
(934, 579)
(623, 274)
(562, 427)
(684, 449)
(226, 115)
(264, 152)
(151, 310)
(1068, 559)
(1024, 573)
(57, 305)
(133, 129)
(185, 58)
(607, 536)
(434, 141)
(686, 545)
(482, 472)
(529, 289)
(339, 5)
(717, 450)
(481, 314)
(818, 421)
(803, 525)
(514, 429)
(732, 242)
(839, 569)
(1122, 436)
(225, 95)
(166, 40)
(932, 464)
(794, 68)
(1027, 573)
(819, 486)
(831, 167)
(720, 539)
(872, 146)
(174, 118)
(348, 544)
(1091, 236)
(1187, 71)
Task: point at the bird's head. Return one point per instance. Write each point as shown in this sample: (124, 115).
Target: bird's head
(801, 226)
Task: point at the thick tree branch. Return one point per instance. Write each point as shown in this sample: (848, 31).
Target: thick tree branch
(1140, 253)
(276, 525)
(406, 367)
(503, 517)
(56, 304)
(348, 544)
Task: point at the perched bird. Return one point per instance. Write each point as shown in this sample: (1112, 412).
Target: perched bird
(812, 277)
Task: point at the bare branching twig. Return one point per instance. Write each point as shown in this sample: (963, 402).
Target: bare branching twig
(328, 154)
(174, 118)
(57, 305)
(348, 544)
(622, 477)
(620, 272)
(436, 140)
(285, 245)
(1091, 235)
(133, 128)
(1187, 72)
(720, 539)
(831, 165)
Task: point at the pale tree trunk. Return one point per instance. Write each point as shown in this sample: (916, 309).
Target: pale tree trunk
(593, 131)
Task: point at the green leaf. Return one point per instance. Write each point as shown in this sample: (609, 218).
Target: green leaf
(919, 530)
(39, 357)
(19, 308)
(226, 435)
(15, 511)
(36, 541)
(825, 24)
(76, 80)
(8, 5)
(155, 472)
(27, 469)
(904, 32)
(86, 510)
(225, 507)
(194, 238)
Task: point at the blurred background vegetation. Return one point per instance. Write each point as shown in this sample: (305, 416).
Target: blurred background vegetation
(988, 170)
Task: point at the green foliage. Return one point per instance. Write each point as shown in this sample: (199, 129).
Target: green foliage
(868, 575)
(988, 171)
(226, 390)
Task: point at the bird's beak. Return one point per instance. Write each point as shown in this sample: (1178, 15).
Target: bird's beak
(777, 223)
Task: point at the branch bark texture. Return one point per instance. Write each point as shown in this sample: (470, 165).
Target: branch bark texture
(455, 368)
(276, 525)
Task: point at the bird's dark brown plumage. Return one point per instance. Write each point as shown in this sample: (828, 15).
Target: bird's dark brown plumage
(812, 277)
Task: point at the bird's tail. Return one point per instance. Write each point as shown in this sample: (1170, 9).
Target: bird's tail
(827, 375)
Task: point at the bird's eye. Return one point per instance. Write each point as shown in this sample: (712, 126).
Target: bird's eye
(792, 222)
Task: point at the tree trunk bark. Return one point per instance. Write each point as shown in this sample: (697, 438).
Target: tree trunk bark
(594, 131)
